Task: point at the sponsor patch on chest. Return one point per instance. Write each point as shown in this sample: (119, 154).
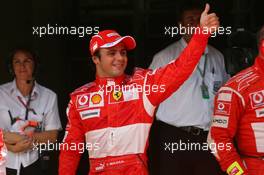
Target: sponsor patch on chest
(123, 96)
(90, 100)
(97, 99)
(91, 113)
(82, 101)
(225, 96)
(223, 108)
(257, 99)
(220, 121)
(259, 112)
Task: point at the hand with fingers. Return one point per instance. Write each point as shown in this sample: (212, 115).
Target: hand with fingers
(209, 21)
(22, 146)
(13, 137)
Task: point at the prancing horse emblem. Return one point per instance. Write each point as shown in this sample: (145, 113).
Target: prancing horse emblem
(117, 95)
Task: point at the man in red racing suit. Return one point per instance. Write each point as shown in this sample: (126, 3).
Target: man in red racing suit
(114, 113)
(238, 123)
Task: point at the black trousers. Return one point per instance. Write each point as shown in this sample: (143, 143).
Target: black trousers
(169, 153)
(33, 169)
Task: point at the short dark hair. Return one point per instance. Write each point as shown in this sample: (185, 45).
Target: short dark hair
(33, 57)
(189, 5)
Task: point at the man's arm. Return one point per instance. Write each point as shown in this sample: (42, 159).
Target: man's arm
(45, 136)
(227, 111)
(69, 159)
(20, 146)
(18, 143)
(173, 75)
(12, 137)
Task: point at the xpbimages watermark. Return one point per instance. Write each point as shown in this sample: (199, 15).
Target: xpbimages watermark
(189, 146)
(182, 30)
(80, 147)
(56, 30)
(133, 88)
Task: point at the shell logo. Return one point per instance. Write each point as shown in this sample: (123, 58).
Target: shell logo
(96, 99)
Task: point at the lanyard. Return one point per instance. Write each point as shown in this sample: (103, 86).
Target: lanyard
(12, 119)
(204, 69)
(27, 105)
(204, 87)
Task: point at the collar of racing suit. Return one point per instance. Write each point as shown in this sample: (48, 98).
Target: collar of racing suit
(260, 64)
(110, 81)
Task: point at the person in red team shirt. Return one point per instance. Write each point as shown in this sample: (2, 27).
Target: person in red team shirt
(116, 121)
(238, 121)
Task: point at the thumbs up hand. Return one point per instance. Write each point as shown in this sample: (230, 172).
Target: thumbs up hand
(210, 21)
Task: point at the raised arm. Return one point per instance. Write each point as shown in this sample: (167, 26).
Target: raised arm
(173, 75)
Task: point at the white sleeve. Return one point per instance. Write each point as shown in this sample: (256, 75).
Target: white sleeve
(158, 61)
(52, 119)
(165, 56)
(5, 119)
(154, 63)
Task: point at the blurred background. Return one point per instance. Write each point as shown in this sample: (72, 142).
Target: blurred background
(65, 62)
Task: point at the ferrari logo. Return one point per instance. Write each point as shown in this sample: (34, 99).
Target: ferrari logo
(117, 95)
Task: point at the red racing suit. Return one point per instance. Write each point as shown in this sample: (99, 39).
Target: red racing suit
(3, 153)
(115, 122)
(238, 122)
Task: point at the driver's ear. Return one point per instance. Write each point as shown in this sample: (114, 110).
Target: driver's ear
(96, 59)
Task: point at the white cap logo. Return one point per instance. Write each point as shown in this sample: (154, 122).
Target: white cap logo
(95, 46)
(112, 34)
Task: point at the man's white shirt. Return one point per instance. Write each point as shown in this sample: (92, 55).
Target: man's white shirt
(186, 106)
